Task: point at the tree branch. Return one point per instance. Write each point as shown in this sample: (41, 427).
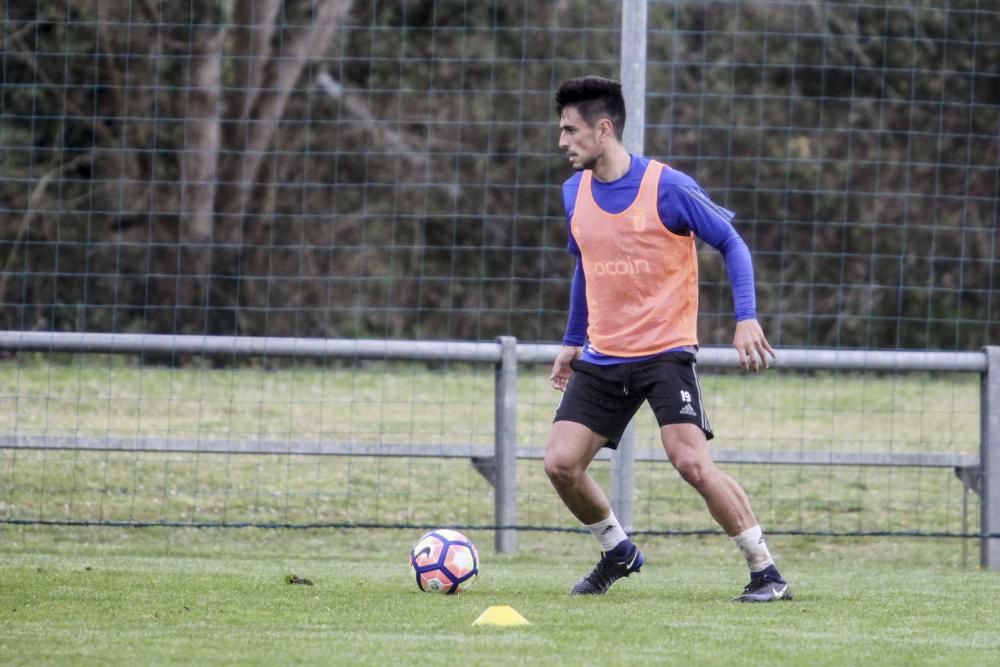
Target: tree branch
(34, 199)
(254, 25)
(280, 78)
(170, 42)
(16, 35)
(24, 56)
(394, 140)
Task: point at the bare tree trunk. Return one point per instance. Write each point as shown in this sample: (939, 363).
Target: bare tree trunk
(199, 159)
(254, 24)
(271, 56)
(202, 140)
(280, 76)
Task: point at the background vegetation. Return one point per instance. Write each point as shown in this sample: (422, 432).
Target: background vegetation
(389, 168)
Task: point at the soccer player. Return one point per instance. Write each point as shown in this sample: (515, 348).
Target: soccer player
(631, 331)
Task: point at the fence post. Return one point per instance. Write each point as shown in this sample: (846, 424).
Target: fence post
(633, 78)
(633, 73)
(623, 478)
(505, 446)
(989, 462)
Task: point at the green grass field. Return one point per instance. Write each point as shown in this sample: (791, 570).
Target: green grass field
(152, 596)
(100, 595)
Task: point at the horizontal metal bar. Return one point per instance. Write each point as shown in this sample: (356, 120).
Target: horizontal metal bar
(800, 457)
(217, 446)
(488, 352)
(812, 359)
(307, 448)
(894, 459)
(251, 346)
(878, 360)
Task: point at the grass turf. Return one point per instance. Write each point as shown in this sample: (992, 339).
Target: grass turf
(103, 596)
(97, 595)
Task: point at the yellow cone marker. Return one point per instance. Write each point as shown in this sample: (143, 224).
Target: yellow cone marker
(500, 615)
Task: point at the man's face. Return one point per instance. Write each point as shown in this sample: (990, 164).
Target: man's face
(581, 142)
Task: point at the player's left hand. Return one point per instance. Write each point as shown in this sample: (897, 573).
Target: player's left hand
(752, 346)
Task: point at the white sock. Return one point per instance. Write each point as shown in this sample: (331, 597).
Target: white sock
(751, 543)
(608, 532)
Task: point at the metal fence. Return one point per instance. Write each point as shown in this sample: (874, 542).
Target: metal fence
(980, 475)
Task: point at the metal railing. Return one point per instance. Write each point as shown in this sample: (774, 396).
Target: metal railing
(980, 474)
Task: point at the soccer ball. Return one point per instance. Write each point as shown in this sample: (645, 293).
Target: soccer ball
(444, 561)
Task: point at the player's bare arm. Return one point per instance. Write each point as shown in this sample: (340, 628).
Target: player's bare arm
(561, 369)
(752, 346)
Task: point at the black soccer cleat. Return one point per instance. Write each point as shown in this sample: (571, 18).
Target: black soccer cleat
(607, 572)
(765, 589)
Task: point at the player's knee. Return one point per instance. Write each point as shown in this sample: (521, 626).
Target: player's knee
(693, 470)
(560, 470)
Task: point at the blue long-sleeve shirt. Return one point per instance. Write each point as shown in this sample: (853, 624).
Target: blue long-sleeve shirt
(683, 208)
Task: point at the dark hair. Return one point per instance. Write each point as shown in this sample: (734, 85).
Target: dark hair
(595, 98)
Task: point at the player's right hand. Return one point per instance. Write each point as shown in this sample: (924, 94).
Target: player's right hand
(752, 346)
(561, 370)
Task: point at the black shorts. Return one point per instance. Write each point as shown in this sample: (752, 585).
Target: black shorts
(605, 398)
